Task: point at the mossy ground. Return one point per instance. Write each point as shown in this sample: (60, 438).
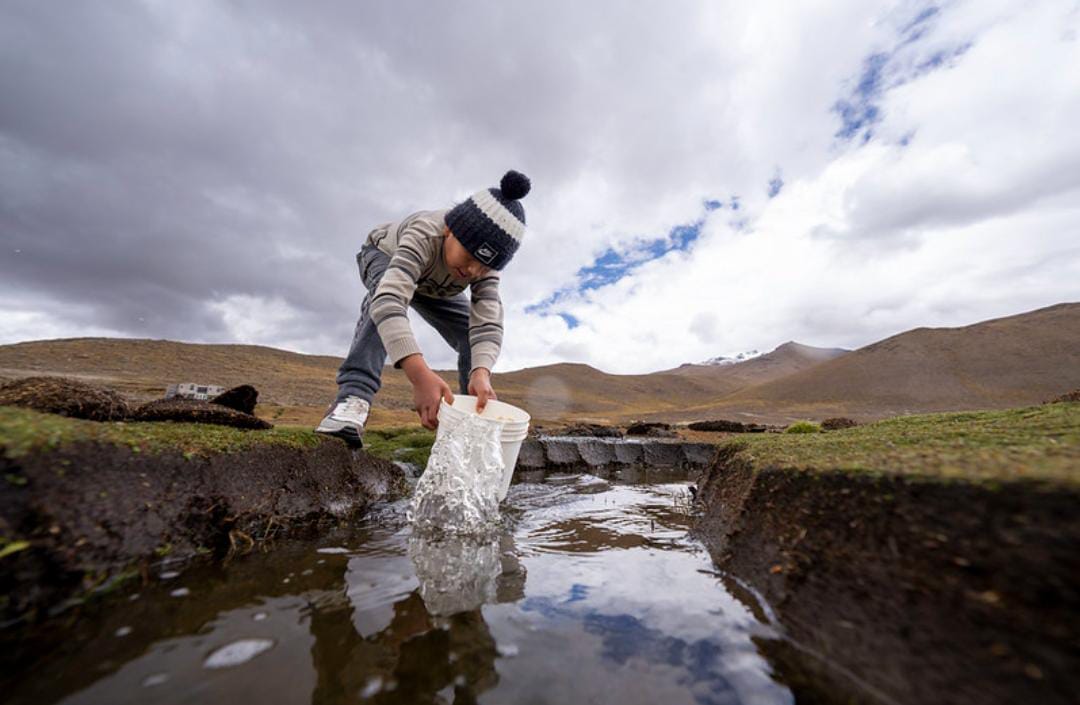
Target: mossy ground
(1032, 443)
(23, 431)
(411, 444)
(1039, 443)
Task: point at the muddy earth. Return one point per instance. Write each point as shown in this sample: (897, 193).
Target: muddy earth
(96, 513)
(896, 590)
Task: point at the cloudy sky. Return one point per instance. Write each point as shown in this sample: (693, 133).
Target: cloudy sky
(707, 177)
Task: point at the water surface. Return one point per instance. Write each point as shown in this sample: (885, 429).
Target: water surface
(592, 593)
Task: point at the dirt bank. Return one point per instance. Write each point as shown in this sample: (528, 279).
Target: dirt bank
(893, 588)
(78, 515)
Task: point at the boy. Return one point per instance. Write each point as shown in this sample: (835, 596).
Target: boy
(426, 261)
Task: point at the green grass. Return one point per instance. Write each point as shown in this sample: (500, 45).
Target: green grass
(803, 427)
(411, 444)
(1040, 443)
(1037, 443)
(23, 431)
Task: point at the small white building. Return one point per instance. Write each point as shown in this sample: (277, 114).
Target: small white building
(192, 390)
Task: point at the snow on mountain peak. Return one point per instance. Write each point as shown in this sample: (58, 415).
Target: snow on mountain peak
(733, 360)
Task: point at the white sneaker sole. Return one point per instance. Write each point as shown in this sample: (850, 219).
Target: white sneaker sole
(341, 429)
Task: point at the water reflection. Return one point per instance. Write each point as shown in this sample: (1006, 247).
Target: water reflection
(593, 593)
(458, 574)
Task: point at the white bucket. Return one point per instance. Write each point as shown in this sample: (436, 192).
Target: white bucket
(515, 427)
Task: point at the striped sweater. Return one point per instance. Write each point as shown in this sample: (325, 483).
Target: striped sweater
(415, 246)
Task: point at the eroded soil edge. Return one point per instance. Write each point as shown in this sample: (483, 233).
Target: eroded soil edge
(904, 590)
(92, 513)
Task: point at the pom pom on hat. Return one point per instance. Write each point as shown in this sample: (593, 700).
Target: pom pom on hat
(515, 185)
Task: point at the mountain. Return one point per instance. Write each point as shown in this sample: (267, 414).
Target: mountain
(1004, 362)
(1022, 359)
(786, 359)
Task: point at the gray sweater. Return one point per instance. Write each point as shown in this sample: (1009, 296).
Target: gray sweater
(415, 246)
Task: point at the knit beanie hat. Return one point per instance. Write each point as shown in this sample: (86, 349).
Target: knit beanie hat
(491, 222)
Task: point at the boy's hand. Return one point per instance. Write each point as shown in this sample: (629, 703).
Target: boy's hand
(428, 390)
(480, 387)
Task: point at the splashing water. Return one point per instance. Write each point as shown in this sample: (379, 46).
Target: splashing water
(458, 494)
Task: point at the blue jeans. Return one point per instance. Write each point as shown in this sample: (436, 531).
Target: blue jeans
(360, 373)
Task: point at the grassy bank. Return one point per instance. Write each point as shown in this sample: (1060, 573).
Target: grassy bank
(1031, 443)
(1040, 442)
(23, 431)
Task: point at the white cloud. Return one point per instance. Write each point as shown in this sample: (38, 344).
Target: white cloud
(227, 163)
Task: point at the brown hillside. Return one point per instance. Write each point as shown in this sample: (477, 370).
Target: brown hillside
(1012, 361)
(1005, 362)
(143, 368)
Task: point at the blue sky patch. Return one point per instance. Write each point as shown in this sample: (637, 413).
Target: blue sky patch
(775, 186)
(860, 111)
(612, 265)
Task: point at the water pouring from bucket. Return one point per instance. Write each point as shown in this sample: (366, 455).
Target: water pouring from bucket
(470, 468)
(515, 427)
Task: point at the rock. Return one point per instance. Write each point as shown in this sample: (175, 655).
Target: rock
(648, 428)
(629, 453)
(67, 397)
(837, 423)
(195, 411)
(558, 452)
(595, 453)
(241, 398)
(588, 429)
(1073, 396)
(663, 455)
(699, 454)
(531, 455)
(725, 426)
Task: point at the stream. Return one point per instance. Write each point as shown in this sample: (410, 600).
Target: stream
(592, 593)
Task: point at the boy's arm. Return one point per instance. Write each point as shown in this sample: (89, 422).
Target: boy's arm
(390, 302)
(485, 322)
(389, 306)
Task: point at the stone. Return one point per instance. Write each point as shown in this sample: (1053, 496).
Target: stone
(561, 452)
(595, 452)
(628, 453)
(242, 398)
(699, 454)
(725, 426)
(662, 455)
(531, 455)
(195, 411)
(67, 397)
(837, 423)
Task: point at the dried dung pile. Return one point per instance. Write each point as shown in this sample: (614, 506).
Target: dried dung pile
(837, 423)
(195, 411)
(67, 397)
(242, 398)
(588, 429)
(725, 426)
(653, 429)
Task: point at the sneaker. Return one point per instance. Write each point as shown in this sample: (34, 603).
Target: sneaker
(346, 420)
